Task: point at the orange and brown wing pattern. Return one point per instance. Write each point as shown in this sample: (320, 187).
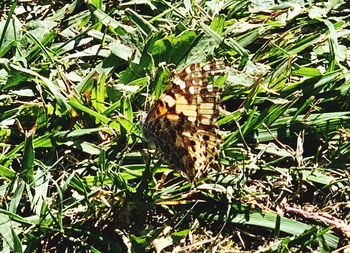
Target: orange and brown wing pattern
(181, 123)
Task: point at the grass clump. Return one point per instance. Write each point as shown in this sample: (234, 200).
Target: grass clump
(77, 175)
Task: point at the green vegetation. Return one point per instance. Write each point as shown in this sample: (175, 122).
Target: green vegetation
(76, 174)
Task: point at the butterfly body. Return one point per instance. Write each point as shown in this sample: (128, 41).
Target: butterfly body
(181, 123)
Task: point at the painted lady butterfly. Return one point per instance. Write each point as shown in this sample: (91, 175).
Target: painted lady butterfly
(181, 123)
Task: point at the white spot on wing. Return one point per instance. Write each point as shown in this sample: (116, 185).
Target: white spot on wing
(182, 85)
(206, 67)
(169, 100)
(192, 118)
(191, 90)
(179, 82)
(210, 88)
(205, 121)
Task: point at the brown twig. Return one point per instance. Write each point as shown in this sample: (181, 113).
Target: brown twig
(330, 220)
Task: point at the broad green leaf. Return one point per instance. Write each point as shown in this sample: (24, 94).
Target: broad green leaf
(268, 220)
(124, 52)
(6, 232)
(16, 200)
(27, 171)
(9, 31)
(144, 26)
(109, 21)
(7, 173)
(100, 117)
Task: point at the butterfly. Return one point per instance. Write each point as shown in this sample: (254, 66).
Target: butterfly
(181, 123)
